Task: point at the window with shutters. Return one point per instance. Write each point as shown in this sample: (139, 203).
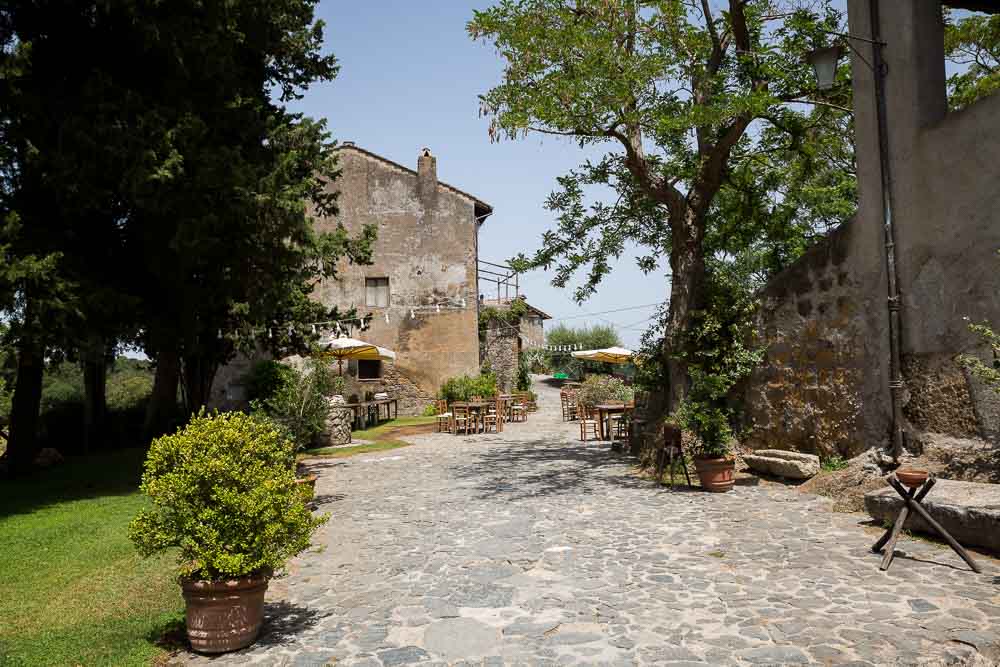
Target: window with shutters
(377, 292)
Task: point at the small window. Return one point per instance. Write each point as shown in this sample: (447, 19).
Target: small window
(377, 292)
(369, 369)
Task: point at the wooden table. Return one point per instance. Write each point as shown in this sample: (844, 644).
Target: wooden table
(478, 407)
(605, 410)
(362, 409)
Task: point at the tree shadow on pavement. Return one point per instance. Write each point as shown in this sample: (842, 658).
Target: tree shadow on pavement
(534, 468)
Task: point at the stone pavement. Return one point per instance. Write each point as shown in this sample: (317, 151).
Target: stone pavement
(532, 548)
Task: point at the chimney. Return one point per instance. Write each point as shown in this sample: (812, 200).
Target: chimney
(427, 179)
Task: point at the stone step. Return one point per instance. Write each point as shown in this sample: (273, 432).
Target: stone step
(970, 511)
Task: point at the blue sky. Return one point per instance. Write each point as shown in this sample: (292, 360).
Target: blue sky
(410, 77)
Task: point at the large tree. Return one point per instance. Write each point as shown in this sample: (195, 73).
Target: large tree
(154, 187)
(689, 93)
(972, 47)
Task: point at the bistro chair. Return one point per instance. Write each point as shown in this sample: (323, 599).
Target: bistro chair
(519, 408)
(443, 416)
(460, 418)
(588, 423)
(569, 405)
(492, 416)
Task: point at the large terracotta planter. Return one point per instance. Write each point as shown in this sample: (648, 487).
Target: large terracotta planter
(308, 486)
(716, 475)
(224, 615)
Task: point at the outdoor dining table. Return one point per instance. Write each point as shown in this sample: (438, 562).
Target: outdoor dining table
(363, 409)
(604, 411)
(479, 407)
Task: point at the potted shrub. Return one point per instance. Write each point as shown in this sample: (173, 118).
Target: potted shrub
(223, 493)
(713, 459)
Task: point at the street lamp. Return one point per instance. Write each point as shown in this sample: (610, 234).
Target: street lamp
(824, 62)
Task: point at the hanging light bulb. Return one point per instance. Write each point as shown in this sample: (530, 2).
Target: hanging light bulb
(439, 309)
(220, 334)
(387, 317)
(413, 314)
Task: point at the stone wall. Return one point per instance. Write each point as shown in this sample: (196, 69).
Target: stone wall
(500, 349)
(413, 398)
(809, 394)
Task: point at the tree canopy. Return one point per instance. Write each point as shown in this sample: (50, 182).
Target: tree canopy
(701, 106)
(972, 44)
(155, 189)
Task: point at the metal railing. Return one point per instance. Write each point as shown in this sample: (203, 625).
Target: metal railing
(498, 283)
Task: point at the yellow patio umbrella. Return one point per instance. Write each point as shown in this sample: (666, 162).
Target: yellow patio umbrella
(341, 347)
(609, 355)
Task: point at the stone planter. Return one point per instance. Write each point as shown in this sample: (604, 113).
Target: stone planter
(338, 424)
(224, 615)
(716, 475)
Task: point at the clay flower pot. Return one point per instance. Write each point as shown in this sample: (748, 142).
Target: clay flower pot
(224, 615)
(715, 475)
(911, 478)
(308, 485)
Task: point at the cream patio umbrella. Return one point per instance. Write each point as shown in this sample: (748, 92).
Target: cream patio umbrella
(609, 355)
(342, 347)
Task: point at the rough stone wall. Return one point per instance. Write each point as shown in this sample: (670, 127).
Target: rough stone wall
(809, 393)
(500, 349)
(824, 385)
(413, 398)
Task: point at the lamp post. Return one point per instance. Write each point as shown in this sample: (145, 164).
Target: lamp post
(824, 61)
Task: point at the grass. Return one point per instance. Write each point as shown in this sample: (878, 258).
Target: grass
(343, 452)
(74, 591)
(380, 437)
(833, 464)
(375, 432)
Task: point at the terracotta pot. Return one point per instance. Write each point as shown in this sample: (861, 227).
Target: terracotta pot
(224, 615)
(716, 475)
(911, 478)
(307, 482)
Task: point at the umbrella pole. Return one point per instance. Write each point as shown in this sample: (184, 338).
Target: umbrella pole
(340, 364)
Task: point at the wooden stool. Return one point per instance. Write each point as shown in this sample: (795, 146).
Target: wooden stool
(911, 502)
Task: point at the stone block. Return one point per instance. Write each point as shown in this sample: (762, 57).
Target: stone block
(790, 465)
(970, 511)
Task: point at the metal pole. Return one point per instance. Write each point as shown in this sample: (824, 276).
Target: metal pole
(895, 367)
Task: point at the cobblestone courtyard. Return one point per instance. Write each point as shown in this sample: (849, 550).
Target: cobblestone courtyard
(532, 548)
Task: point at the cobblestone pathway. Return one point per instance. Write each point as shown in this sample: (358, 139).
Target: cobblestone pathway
(532, 548)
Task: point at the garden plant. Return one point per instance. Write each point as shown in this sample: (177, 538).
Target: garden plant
(223, 494)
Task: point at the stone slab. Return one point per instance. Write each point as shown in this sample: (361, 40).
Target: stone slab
(970, 511)
(790, 465)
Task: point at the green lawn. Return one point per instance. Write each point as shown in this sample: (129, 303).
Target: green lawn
(381, 438)
(73, 590)
(375, 432)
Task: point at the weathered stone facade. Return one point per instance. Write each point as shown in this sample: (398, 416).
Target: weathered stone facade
(425, 256)
(502, 344)
(824, 386)
(427, 248)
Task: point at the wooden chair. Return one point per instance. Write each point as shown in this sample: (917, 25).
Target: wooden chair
(443, 416)
(588, 422)
(519, 408)
(461, 420)
(569, 405)
(492, 416)
(671, 453)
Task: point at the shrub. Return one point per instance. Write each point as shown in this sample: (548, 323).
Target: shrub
(223, 492)
(598, 389)
(430, 410)
(989, 374)
(300, 403)
(463, 387)
(523, 374)
(266, 378)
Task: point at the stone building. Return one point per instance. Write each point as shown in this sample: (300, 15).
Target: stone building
(421, 288)
(824, 386)
(502, 343)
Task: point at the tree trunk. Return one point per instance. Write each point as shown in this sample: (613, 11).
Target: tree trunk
(162, 406)
(95, 373)
(25, 406)
(687, 263)
(198, 375)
